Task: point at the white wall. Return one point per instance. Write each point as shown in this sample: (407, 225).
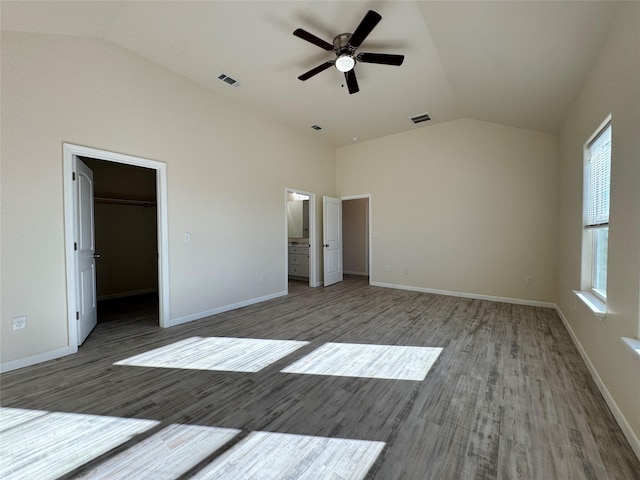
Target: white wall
(466, 206)
(613, 87)
(227, 167)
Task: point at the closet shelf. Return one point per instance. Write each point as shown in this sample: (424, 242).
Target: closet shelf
(124, 201)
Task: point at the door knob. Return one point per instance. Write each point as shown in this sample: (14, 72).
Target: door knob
(96, 255)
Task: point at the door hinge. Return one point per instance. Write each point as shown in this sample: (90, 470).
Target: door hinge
(75, 246)
(77, 315)
(73, 176)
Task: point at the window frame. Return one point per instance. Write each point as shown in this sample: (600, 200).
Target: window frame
(591, 228)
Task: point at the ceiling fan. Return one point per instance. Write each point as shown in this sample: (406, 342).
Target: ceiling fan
(345, 46)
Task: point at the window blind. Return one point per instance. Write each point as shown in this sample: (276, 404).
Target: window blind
(597, 178)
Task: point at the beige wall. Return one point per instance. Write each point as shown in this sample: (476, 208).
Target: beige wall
(355, 256)
(613, 88)
(466, 206)
(59, 89)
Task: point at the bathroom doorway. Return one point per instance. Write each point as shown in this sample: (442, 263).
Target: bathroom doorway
(300, 234)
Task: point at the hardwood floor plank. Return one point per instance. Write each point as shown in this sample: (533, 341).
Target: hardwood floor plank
(508, 397)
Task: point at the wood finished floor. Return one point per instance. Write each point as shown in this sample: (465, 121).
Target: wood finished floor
(509, 396)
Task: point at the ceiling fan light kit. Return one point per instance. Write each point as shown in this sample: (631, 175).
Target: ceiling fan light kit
(345, 62)
(344, 47)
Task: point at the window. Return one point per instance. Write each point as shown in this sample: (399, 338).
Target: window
(597, 181)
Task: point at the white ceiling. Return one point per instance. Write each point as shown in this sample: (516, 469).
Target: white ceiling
(519, 63)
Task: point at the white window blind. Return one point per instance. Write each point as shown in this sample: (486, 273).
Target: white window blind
(597, 180)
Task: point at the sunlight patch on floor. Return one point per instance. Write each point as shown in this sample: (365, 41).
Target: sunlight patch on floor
(169, 453)
(45, 445)
(216, 353)
(368, 361)
(268, 456)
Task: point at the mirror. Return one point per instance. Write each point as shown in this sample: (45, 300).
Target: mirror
(298, 218)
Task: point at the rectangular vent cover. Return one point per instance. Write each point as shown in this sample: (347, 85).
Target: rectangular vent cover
(229, 80)
(420, 118)
(316, 127)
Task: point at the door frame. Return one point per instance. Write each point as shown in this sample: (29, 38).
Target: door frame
(70, 154)
(313, 244)
(369, 232)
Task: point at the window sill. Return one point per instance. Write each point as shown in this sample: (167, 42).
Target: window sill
(597, 306)
(633, 344)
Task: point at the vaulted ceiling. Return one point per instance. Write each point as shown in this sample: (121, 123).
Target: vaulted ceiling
(520, 63)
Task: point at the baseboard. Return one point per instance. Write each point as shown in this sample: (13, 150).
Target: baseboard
(362, 274)
(127, 294)
(517, 301)
(197, 316)
(33, 359)
(628, 432)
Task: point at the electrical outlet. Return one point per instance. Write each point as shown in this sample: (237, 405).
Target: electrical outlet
(263, 278)
(19, 322)
(387, 268)
(406, 271)
(528, 280)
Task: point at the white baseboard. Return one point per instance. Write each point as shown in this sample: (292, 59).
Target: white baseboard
(362, 274)
(628, 432)
(197, 316)
(33, 359)
(127, 294)
(517, 301)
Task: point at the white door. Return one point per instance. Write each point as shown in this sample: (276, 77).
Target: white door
(332, 240)
(86, 317)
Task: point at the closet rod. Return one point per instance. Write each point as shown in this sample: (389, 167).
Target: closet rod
(123, 201)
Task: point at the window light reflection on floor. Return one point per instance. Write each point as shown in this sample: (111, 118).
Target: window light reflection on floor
(216, 353)
(166, 454)
(269, 455)
(45, 445)
(367, 361)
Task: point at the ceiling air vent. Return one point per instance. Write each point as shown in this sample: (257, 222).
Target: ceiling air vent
(229, 80)
(423, 117)
(316, 127)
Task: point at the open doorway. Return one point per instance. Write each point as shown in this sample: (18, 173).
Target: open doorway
(79, 296)
(356, 249)
(300, 228)
(126, 241)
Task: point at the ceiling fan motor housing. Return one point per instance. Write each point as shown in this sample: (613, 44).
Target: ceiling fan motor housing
(341, 44)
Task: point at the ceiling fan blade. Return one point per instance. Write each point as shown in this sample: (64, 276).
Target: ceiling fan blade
(367, 24)
(311, 38)
(382, 58)
(315, 71)
(352, 82)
